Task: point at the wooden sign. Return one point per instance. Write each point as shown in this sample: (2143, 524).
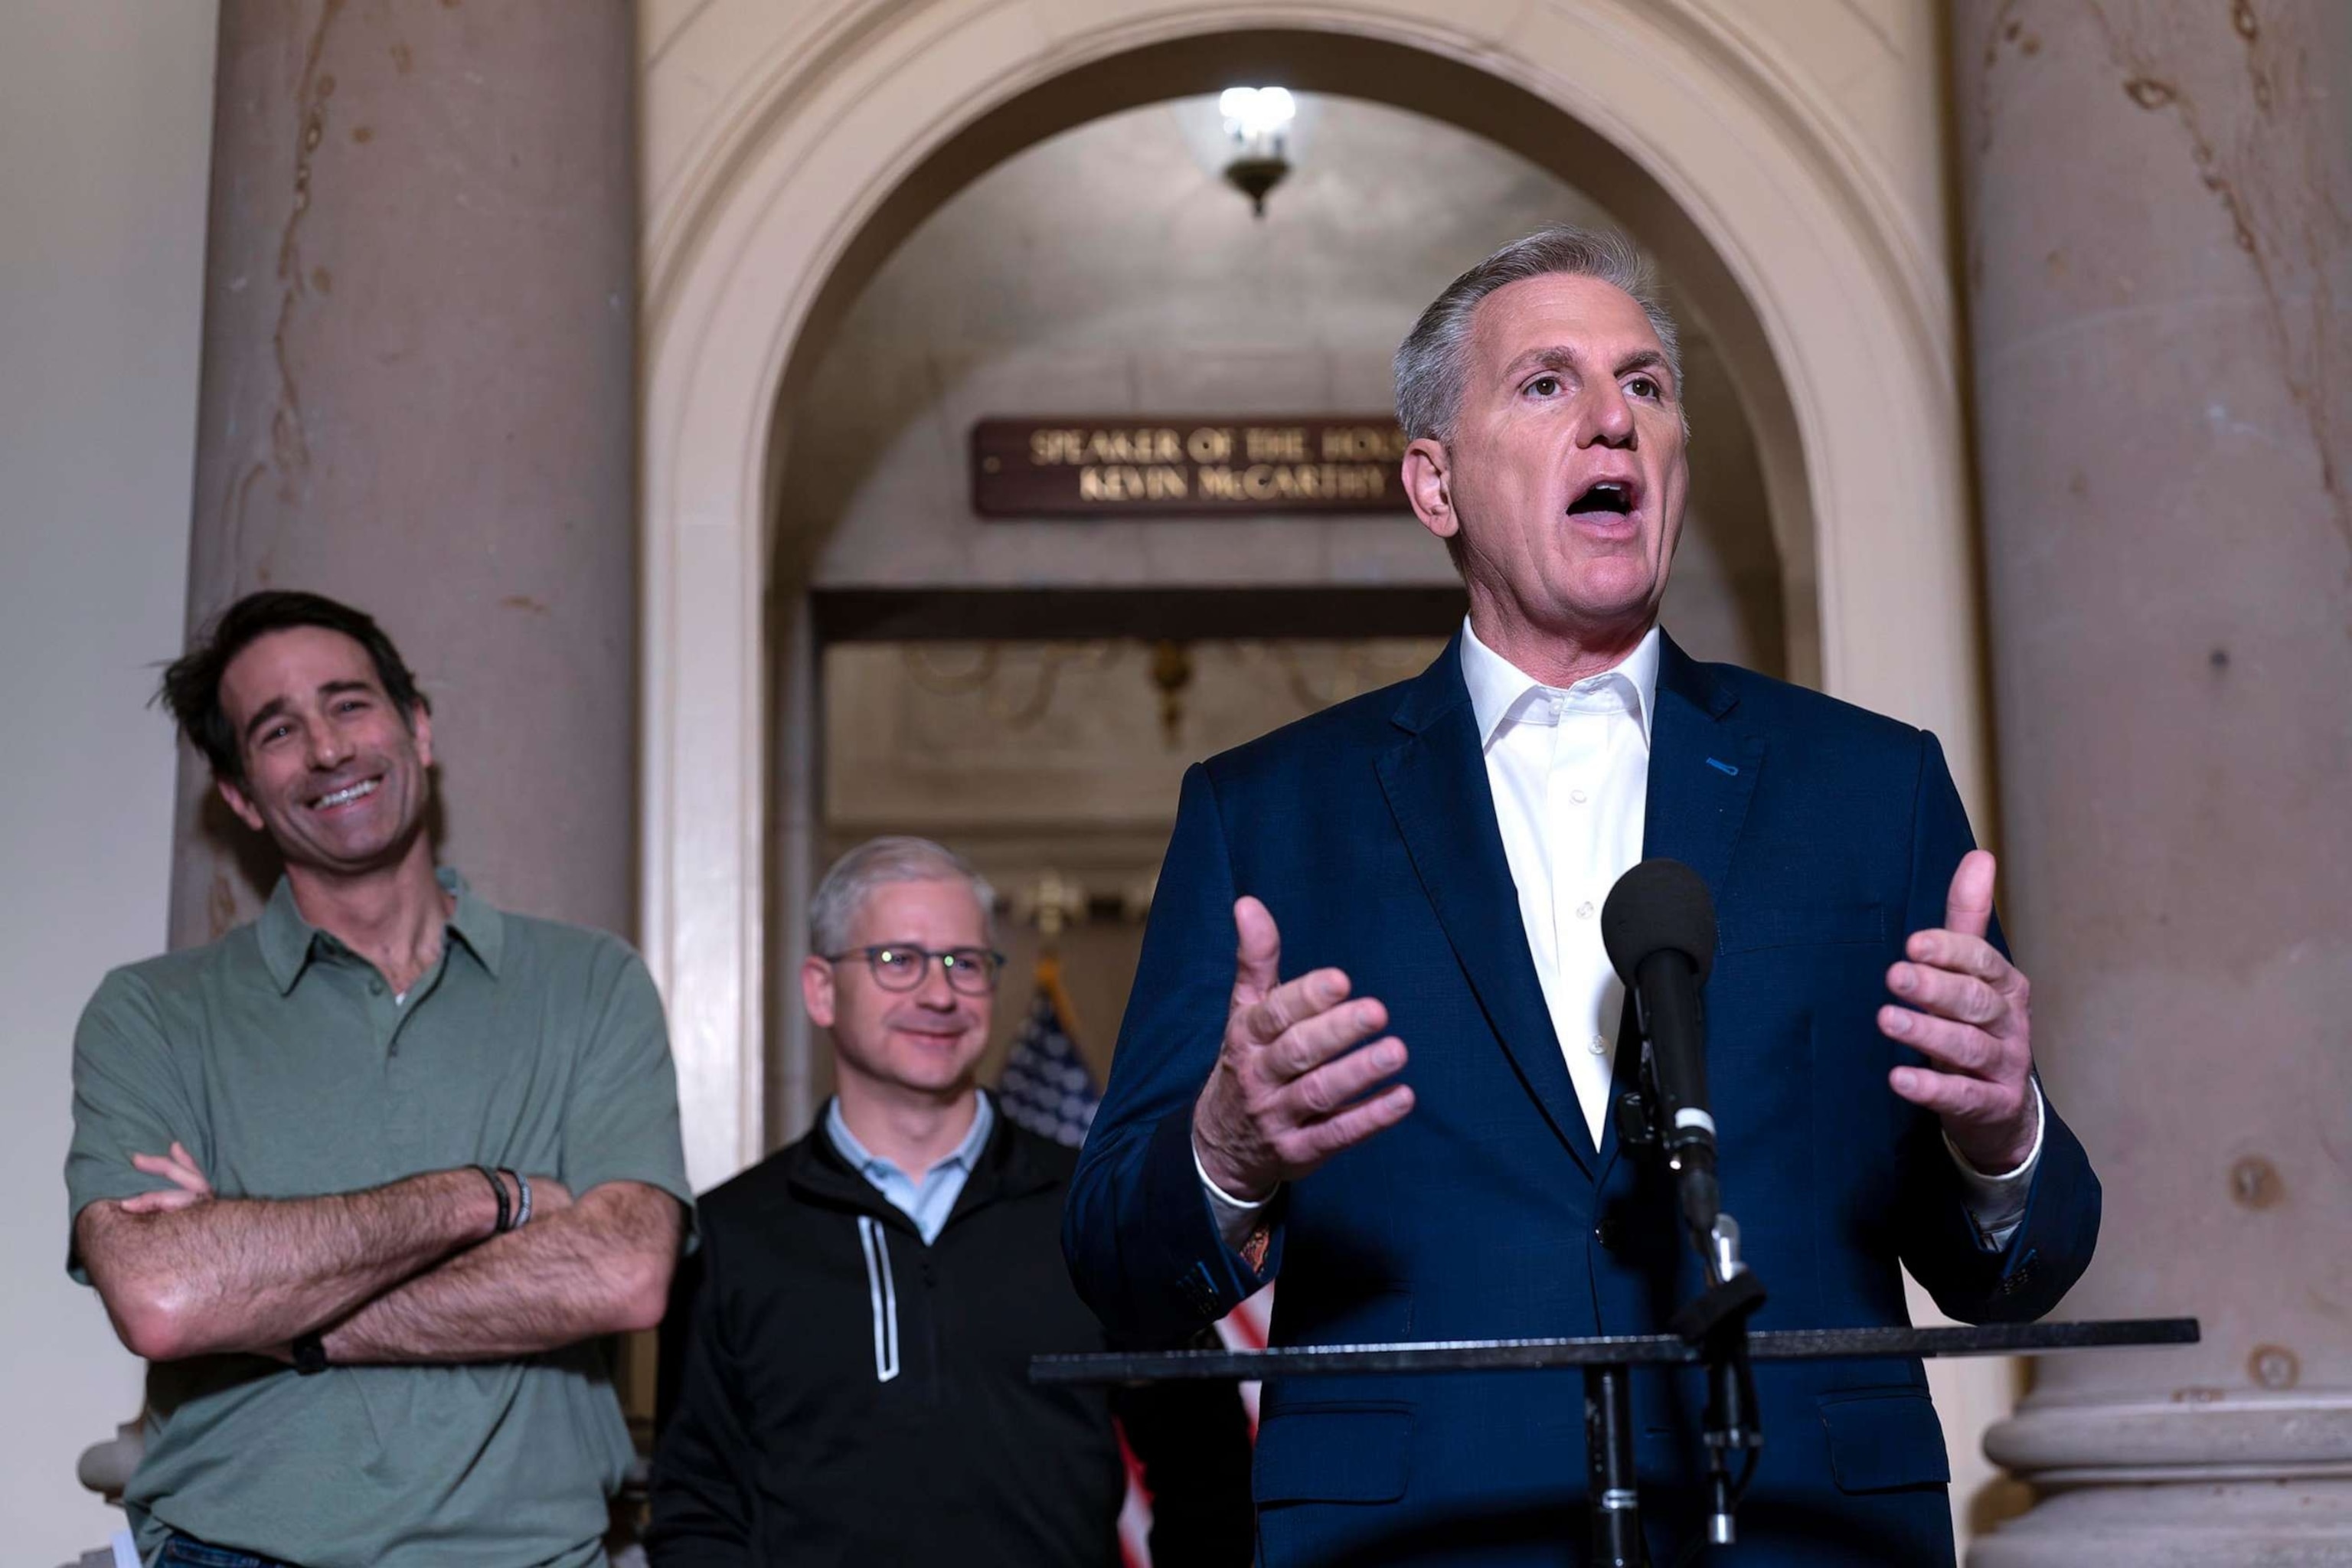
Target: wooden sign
(1186, 467)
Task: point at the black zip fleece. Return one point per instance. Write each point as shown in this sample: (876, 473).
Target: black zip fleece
(837, 1392)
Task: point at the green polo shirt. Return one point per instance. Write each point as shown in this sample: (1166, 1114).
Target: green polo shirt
(284, 1063)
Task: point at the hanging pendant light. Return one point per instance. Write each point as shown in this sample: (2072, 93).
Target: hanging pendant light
(1258, 128)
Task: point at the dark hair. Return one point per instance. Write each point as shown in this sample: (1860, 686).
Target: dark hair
(190, 689)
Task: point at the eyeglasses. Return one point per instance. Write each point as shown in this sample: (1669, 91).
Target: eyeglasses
(897, 966)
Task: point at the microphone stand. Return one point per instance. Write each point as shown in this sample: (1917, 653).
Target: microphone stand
(1715, 1323)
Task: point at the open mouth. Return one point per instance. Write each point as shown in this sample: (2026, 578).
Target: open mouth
(1607, 497)
(345, 796)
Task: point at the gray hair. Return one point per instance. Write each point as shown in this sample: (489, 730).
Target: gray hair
(877, 862)
(1430, 368)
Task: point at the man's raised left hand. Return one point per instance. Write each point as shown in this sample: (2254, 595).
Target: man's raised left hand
(1965, 1009)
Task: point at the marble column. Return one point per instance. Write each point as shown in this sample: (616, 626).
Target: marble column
(419, 321)
(2159, 255)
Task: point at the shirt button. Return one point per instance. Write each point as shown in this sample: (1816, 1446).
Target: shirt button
(375, 987)
(1577, 795)
(1584, 911)
(1600, 1046)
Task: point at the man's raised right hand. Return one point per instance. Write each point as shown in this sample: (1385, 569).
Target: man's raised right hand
(1291, 1085)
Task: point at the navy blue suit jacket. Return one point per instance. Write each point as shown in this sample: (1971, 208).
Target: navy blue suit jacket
(1826, 835)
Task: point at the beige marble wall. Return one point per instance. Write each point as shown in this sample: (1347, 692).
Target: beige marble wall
(418, 397)
(104, 111)
(2164, 375)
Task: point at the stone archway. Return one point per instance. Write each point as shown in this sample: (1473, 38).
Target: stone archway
(788, 152)
(1791, 182)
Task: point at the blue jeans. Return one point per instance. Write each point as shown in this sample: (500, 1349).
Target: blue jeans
(187, 1552)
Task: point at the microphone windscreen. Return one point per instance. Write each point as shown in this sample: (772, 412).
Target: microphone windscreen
(1659, 904)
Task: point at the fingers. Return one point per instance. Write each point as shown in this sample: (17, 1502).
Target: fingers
(1292, 1003)
(1257, 957)
(1308, 1044)
(1961, 1047)
(176, 1168)
(1961, 955)
(1965, 998)
(1329, 1088)
(1310, 1145)
(1968, 907)
(179, 1152)
(167, 1202)
(1955, 1097)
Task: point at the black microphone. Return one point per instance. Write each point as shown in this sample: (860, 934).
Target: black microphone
(1659, 928)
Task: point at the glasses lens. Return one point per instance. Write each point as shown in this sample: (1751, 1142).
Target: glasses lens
(897, 968)
(970, 970)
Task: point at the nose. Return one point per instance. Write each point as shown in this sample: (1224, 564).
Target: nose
(935, 992)
(330, 747)
(1609, 417)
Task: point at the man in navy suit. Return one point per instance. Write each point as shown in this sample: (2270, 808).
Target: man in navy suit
(1437, 854)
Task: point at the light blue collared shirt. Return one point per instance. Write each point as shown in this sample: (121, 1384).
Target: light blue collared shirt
(930, 1201)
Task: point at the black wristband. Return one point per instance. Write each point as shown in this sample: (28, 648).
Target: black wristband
(310, 1353)
(506, 1216)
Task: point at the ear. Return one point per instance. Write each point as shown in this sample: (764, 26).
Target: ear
(816, 991)
(237, 803)
(1427, 472)
(420, 724)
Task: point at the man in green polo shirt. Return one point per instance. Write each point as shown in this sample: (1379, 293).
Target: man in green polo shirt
(365, 1181)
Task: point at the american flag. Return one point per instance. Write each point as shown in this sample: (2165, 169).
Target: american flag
(1047, 1088)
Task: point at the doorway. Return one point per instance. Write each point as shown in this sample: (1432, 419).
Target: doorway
(1042, 734)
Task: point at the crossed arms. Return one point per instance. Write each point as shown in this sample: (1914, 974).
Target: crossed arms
(411, 1271)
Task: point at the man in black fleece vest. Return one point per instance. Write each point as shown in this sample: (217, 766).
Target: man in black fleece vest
(850, 1376)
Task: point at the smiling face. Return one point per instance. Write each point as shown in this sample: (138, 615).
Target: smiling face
(918, 1045)
(333, 772)
(1564, 473)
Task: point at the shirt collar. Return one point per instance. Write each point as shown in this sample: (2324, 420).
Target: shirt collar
(484, 930)
(285, 936)
(289, 940)
(965, 1154)
(1499, 689)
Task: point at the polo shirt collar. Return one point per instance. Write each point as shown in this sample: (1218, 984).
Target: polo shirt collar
(481, 928)
(1499, 688)
(286, 937)
(287, 940)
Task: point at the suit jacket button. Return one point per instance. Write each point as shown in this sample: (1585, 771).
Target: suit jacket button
(1607, 1234)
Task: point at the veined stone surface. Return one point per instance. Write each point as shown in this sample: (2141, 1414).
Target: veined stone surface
(2159, 260)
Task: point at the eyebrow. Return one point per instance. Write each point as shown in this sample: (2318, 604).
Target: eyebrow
(263, 714)
(1561, 356)
(278, 706)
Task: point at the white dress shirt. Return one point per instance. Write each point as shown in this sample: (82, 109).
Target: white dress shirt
(1569, 768)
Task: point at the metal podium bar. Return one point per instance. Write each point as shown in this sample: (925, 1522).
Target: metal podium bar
(1617, 1349)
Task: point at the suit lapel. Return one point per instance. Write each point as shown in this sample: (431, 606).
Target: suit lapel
(1436, 784)
(1703, 768)
(1704, 765)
